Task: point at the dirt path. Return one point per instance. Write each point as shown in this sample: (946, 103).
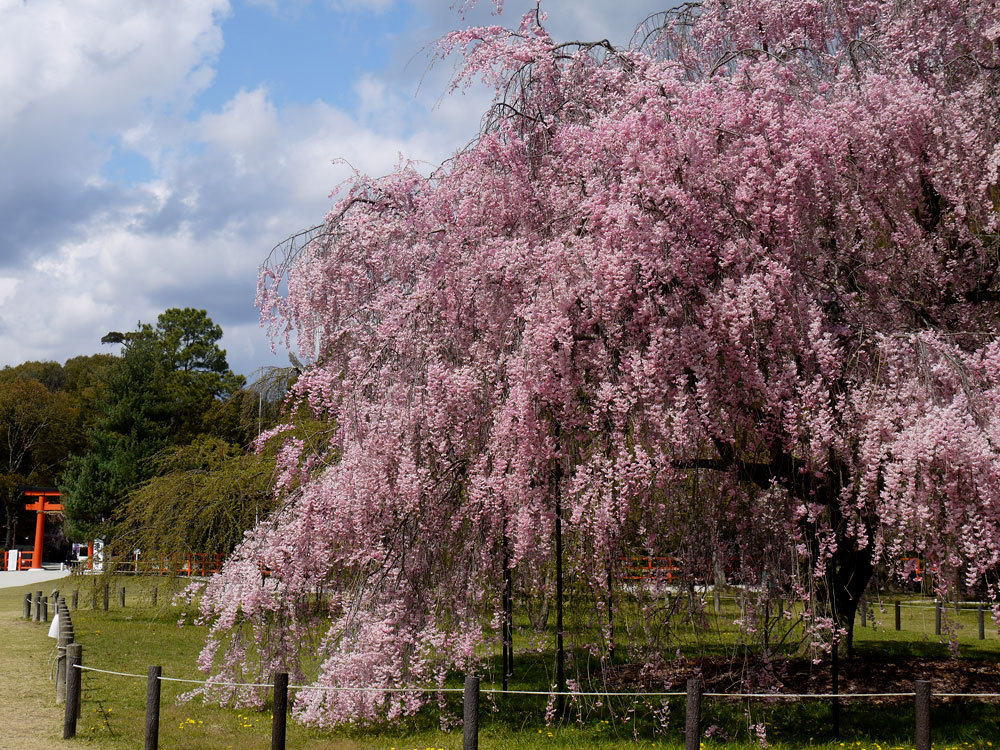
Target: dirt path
(29, 716)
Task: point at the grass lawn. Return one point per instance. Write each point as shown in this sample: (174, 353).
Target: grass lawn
(131, 638)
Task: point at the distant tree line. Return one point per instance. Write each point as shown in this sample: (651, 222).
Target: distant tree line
(151, 447)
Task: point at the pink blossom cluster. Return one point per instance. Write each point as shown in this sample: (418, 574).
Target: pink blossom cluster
(761, 247)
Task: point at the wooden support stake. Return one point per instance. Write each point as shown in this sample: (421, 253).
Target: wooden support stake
(982, 622)
(923, 714)
(27, 607)
(37, 601)
(280, 711)
(106, 592)
(121, 598)
(937, 617)
(470, 714)
(153, 707)
(898, 616)
(74, 653)
(65, 638)
(45, 609)
(835, 679)
(692, 721)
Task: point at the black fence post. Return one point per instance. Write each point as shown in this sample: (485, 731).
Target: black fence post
(74, 653)
(280, 711)
(121, 598)
(937, 617)
(923, 714)
(470, 714)
(898, 618)
(982, 622)
(106, 592)
(692, 719)
(835, 680)
(153, 707)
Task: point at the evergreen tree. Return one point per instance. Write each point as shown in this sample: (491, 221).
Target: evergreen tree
(134, 425)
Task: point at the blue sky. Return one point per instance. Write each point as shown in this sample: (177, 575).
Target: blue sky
(151, 153)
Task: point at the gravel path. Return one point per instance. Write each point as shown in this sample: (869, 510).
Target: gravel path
(12, 578)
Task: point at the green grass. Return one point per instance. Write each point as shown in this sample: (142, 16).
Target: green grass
(140, 635)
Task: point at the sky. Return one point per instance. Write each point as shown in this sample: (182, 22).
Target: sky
(152, 153)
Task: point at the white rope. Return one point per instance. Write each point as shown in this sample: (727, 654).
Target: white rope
(108, 671)
(499, 691)
(219, 684)
(810, 695)
(581, 694)
(966, 695)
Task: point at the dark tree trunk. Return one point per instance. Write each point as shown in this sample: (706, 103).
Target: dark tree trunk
(611, 615)
(560, 652)
(507, 627)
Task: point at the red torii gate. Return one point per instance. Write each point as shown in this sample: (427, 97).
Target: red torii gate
(46, 501)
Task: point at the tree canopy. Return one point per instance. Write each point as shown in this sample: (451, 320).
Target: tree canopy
(756, 253)
(162, 390)
(38, 427)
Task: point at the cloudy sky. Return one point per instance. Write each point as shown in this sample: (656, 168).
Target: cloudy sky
(153, 151)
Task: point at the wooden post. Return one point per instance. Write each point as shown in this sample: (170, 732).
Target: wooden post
(27, 607)
(153, 707)
(923, 714)
(74, 653)
(45, 609)
(37, 601)
(106, 591)
(470, 714)
(897, 615)
(280, 711)
(65, 638)
(692, 721)
(121, 598)
(76, 598)
(982, 623)
(835, 679)
(937, 617)
(155, 591)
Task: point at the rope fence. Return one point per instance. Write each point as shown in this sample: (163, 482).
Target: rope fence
(69, 671)
(471, 693)
(568, 693)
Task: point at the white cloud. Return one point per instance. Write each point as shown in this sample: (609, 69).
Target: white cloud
(81, 254)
